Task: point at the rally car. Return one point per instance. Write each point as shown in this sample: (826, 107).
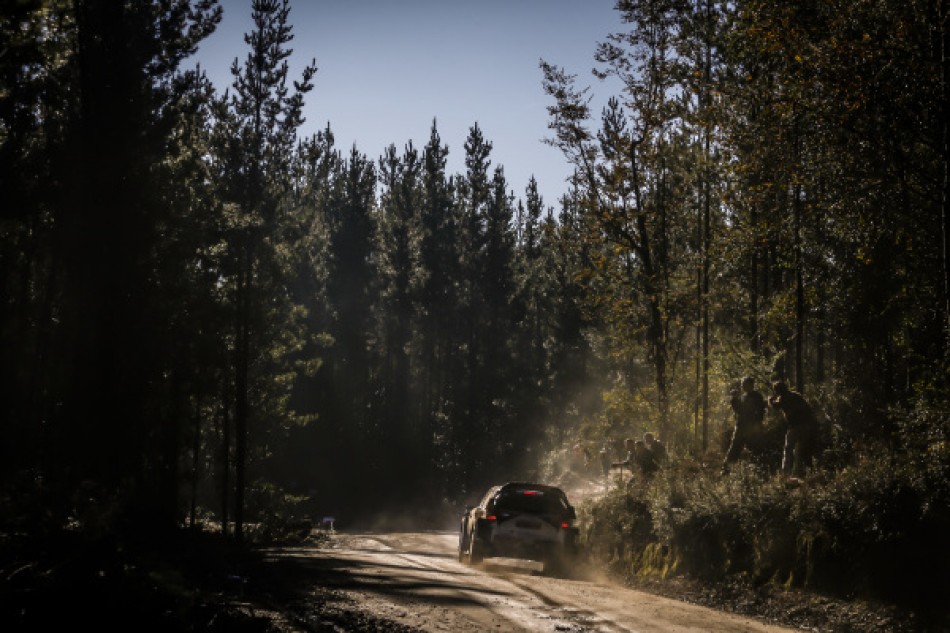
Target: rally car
(520, 520)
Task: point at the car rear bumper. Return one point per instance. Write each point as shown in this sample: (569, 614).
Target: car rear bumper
(502, 544)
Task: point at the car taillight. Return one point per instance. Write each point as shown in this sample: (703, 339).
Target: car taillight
(565, 525)
(492, 517)
(531, 492)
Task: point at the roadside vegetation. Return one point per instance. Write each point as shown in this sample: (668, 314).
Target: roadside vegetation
(858, 544)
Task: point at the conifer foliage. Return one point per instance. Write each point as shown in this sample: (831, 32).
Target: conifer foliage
(201, 310)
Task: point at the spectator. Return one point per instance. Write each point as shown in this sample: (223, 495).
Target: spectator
(605, 461)
(653, 454)
(748, 404)
(629, 460)
(801, 434)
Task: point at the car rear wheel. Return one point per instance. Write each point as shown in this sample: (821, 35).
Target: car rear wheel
(476, 551)
(555, 565)
(463, 546)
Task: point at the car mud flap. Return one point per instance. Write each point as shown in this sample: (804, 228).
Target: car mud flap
(483, 530)
(571, 537)
(482, 539)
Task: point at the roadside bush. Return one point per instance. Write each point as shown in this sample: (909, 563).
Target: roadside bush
(616, 527)
(733, 524)
(279, 516)
(875, 529)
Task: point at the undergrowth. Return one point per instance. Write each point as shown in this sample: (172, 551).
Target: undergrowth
(875, 529)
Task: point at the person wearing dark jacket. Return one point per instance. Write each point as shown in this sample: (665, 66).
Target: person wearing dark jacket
(749, 408)
(801, 435)
(653, 455)
(629, 460)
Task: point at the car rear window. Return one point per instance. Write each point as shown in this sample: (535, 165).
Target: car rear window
(530, 500)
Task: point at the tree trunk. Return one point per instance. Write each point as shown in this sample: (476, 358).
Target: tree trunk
(241, 371)
(195, 461)
(707, 236)
(945, 150)
(226, 456)
(799, 293)
(754, 286)
(652, 281)
(707, 229)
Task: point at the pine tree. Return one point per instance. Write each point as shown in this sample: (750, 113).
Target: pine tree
(496, 369)
(439, 304)
(99, 96)
(399, 272)
(257, 130)
(474, 195)
(352, 298)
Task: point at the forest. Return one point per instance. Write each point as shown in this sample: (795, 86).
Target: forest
(205, 316)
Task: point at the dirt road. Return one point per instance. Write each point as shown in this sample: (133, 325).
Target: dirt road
(414, 580)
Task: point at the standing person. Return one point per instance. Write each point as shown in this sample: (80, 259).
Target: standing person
(642, 458)
(628, 460)
(749, 407)
(605, 462)
(801, 435)
(578, 459)
(654, 454)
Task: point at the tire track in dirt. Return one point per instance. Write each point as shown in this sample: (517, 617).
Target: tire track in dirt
(414, 579)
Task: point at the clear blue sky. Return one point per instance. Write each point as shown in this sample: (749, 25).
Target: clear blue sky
(388, 68)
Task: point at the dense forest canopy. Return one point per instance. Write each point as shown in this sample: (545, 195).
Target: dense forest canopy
(203, 311)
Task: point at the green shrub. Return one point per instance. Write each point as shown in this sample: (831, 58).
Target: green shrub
(277, 515)
(721, 525)
(616, 527)
(875, 529)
